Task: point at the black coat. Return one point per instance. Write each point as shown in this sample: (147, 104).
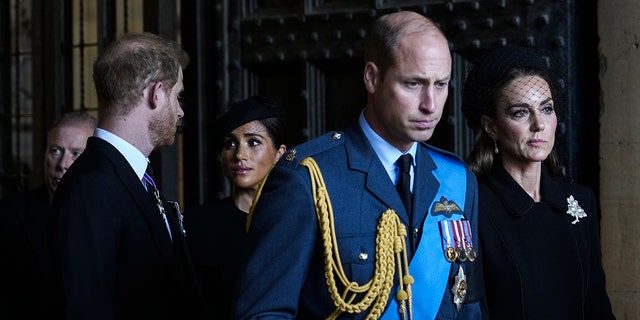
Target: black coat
(538, 263)
(113, 254)
(24, 262)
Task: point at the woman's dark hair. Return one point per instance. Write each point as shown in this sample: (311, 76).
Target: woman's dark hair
(275, 128)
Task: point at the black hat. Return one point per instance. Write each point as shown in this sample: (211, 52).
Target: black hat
(488, 69)
(254, 108)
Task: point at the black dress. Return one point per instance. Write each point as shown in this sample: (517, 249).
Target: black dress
(215, 237)
(539, 261)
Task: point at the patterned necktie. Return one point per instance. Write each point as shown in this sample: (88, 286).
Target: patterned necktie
(152, 188)
(404, 181)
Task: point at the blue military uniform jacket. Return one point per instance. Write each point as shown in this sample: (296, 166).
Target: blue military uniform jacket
(284, 275)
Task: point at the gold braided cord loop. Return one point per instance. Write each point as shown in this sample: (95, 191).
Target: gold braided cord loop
(390, 247)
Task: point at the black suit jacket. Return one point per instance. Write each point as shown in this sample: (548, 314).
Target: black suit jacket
(24, 263)
(112, 252)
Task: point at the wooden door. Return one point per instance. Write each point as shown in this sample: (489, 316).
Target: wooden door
(308, 56)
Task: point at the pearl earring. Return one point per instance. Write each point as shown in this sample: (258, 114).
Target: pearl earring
(495, 147)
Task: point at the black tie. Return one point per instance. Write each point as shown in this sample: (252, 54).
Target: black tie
(404, 181)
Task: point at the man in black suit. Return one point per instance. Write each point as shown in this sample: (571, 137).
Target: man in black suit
(24, 261)
(119, 251)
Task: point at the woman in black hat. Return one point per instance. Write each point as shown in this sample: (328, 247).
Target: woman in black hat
(538, 234)
(251, 140)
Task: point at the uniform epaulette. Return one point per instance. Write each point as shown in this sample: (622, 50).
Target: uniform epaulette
(312, 147)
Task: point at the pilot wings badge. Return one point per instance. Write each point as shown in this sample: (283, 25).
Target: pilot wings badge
(445, 207)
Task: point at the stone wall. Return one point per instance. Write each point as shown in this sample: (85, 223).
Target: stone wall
(619, 32)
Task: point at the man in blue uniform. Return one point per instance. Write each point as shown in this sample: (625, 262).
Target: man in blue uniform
(330, 235)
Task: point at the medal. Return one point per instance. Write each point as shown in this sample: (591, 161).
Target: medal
(450, 253)
(471, 253)
(459, 288)
(457, 242)
(458, 234)
(462, 254)
(180, 217)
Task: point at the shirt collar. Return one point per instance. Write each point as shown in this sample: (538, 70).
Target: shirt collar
(387, 153)
(134, 157)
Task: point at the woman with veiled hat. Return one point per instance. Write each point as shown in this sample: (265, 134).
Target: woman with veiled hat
(251, 140)
(538, 233)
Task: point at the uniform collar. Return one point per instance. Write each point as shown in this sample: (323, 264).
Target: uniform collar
(387, 153)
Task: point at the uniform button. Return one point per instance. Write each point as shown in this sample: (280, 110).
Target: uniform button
(363, 256)
(415, 232)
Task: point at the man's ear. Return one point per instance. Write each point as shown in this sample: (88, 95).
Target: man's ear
(371, 76)
(155, 92)
(489, 127)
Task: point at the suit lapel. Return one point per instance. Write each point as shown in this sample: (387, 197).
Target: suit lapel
(362, 158)
(425, 185)
(148, 209)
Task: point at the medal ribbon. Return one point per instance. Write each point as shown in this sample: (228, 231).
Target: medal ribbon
(446, 240)
(459, 235)
(467, 231)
